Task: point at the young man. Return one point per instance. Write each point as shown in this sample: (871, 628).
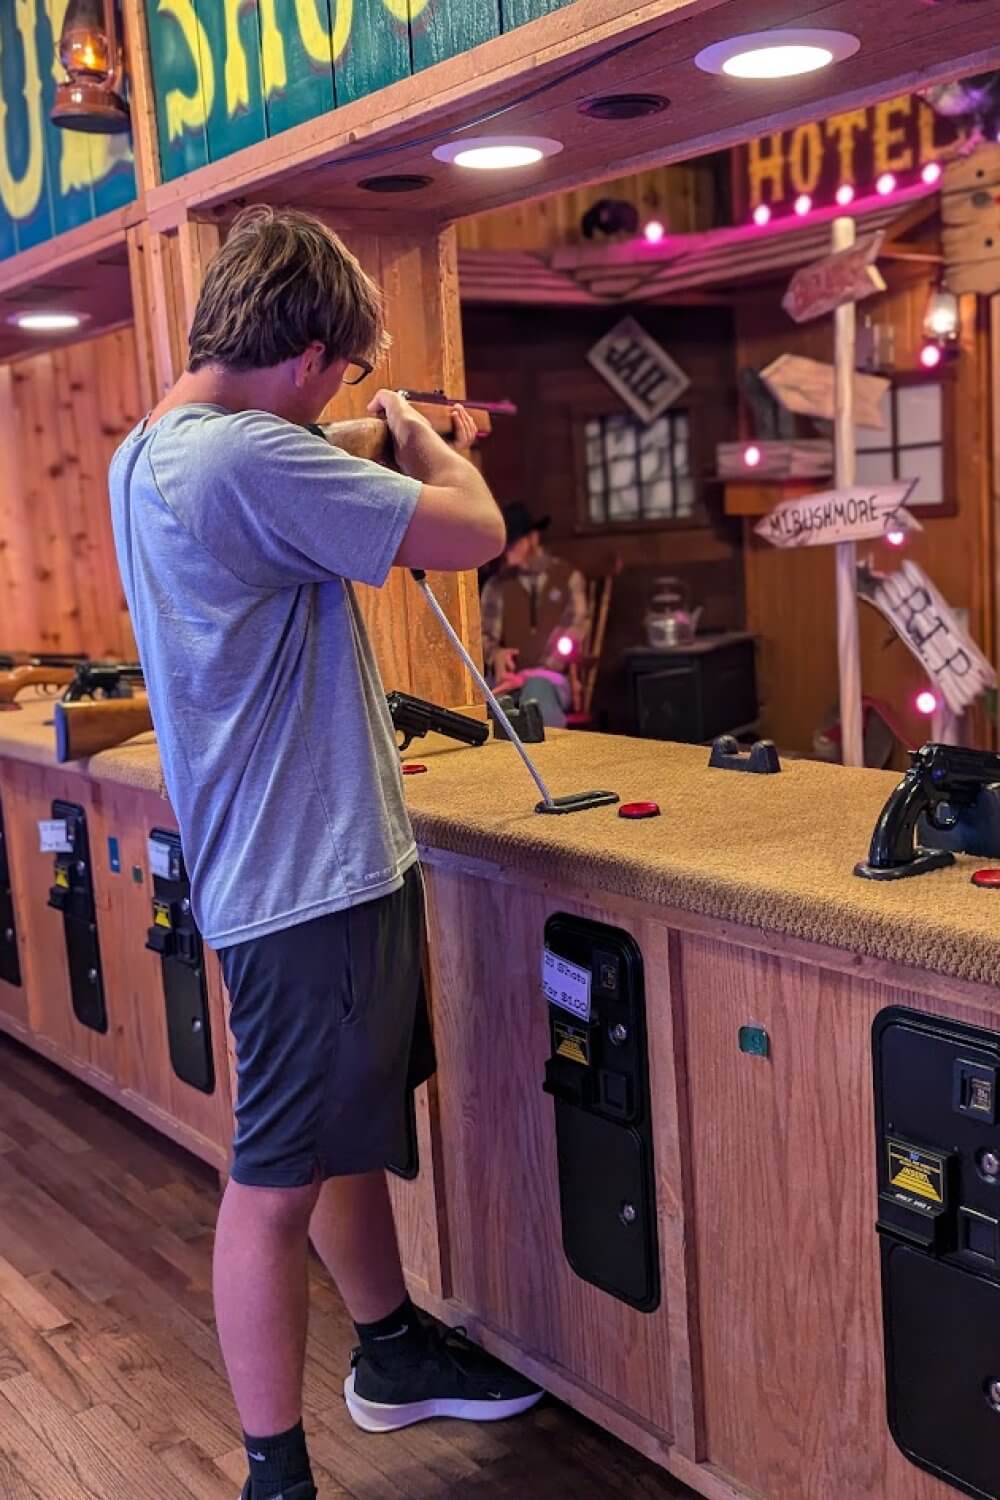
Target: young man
(527, 603)
(238, 530)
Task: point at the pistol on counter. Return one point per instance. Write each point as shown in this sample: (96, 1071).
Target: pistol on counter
(100, 679)
(948, 797)
(412, 718)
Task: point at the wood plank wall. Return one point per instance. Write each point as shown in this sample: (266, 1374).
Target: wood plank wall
(798, 665)
(62, 414)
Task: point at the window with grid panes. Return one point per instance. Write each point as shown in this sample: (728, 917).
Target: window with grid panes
(637, 472)
(910, 445)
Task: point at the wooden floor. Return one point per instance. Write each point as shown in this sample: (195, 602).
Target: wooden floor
(111, 1385)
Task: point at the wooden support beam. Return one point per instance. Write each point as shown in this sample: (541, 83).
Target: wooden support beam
(142, 97)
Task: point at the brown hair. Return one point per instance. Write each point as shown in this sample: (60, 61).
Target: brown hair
(281, 282)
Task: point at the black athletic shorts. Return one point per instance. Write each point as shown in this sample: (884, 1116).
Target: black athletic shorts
(331, 1032)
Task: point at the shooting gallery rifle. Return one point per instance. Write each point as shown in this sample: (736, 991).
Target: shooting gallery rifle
(369, 437)
(11, 659)
(14, 682)
(103, 679)
(83, 729)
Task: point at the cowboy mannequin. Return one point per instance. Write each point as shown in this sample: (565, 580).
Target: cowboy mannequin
(527, 605)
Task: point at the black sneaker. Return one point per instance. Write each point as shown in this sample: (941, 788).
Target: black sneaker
(454, 1379)
(297, 1492)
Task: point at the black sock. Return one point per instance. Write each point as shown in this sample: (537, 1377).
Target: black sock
(277, 1463)
(399, 1339)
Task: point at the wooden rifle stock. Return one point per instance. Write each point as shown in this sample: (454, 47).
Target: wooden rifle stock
(12, 683)
(369, 437)
(83, 729)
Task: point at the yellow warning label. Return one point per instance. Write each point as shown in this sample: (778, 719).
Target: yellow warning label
(161, 916)
(62, 876)
(918, 1172)
(573, 1044)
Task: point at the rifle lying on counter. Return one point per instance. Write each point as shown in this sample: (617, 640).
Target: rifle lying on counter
(19, 678)
(83, 729)
(11, 659)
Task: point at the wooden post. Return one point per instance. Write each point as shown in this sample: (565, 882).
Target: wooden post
(848, 645)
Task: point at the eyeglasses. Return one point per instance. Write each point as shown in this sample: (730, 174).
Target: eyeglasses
(357, 370)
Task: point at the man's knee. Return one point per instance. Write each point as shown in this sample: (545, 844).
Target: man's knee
(279, 1211)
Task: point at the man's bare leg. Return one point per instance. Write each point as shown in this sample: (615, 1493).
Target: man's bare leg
(354, 1235)
(262, 1300)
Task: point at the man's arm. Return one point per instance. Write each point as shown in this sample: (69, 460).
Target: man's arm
(457, 523)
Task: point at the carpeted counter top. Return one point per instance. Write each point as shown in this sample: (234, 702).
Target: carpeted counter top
(774, 853)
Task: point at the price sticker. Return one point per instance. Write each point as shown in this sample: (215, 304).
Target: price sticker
(566, 985)
(53, 836)
(161, 859)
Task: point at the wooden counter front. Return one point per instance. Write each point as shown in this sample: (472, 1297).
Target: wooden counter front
(759, 1376)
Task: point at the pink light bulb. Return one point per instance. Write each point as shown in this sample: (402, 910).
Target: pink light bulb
(803, 204)
(930, 356)
(895, 538)
(654, 231)
(762, 215)
(926, 703)
(565, 645)
(845, 194)
(931, 173)
(752, 456)
(886, 184)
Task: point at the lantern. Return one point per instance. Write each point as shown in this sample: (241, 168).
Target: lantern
(91, 98)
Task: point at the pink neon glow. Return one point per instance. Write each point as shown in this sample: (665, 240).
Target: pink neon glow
(845, 194)
(654, 231)
(565, 645)
(895, 538)
(930, 356)
(803, 204)
(752, 456)
(931, 173)
(762, 215)
(926, 703)
(886, 184)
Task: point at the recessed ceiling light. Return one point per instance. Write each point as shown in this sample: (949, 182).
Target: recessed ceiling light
(496, 153)
(46, 322)
(623, 106)
(782, 53)
(398, 182)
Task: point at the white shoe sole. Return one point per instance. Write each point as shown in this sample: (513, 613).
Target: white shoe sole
(372, 1416)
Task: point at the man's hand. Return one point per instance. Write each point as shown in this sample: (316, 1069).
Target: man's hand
(398, 413)
(465, 428)
(505, 662)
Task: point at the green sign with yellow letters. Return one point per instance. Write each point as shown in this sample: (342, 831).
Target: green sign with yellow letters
(51, 180)
(231, 72)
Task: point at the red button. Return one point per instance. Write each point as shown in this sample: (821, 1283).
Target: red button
(639, 810)
(413, 769)
(986, 878)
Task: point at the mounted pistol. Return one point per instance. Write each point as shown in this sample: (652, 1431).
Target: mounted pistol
(946, 789)
(412, 718)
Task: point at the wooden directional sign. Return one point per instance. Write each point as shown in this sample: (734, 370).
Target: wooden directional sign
(929, 627)
(849, 276)
(806, 386)
(859, 514)
(638, 369)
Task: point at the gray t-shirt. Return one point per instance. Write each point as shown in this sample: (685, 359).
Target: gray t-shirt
(236, 535)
